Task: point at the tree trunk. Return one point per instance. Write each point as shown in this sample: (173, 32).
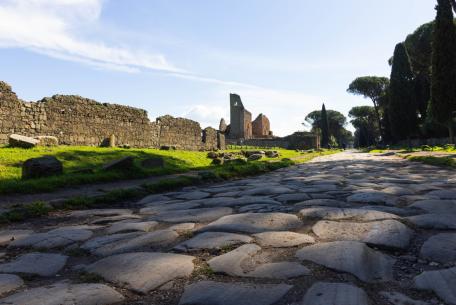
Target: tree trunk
(451, 132)
(377, 112)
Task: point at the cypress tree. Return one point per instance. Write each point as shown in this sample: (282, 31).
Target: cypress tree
(324, 128)
(402, 108)
(443, 79)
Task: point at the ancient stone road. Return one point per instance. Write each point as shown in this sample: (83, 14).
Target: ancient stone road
(345, 229)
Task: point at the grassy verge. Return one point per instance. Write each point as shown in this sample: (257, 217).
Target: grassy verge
(431, 160)
(221, 173)
(83, 165)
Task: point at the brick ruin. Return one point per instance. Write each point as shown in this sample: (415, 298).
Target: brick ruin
(75, 120)
(242, 131)
(241, 125)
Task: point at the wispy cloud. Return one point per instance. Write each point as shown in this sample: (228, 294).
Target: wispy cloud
(50, 27)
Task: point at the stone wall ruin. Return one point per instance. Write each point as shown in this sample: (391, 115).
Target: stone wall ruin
(75, 120)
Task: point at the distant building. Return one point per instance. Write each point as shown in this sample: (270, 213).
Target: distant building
(241, 125)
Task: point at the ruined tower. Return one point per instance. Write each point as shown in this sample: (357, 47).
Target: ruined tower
(261, 127)
(240, 119)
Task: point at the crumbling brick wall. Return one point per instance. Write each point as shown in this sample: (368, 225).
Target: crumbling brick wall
(75, 120)
(261, 127)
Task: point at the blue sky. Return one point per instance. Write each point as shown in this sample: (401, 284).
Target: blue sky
(184, 57)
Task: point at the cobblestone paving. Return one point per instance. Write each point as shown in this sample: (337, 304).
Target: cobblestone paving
(344, 229)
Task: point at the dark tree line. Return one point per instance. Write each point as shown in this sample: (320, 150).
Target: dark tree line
(419, 98)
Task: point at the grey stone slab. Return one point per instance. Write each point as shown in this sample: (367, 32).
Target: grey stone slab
(390, 210)
(386, 233)
(9, 282)
(282, 239)
(231, 202)
(213, 240)
(443, 194)
(352, 257)
(155, 209)
(436, 206)
(143, 271)
(193, 195)
(192, 215)
(231, 263)
(214, 293)
(323, 202)
(397, 298)
(372, 197)
(183, 227)
(442, 282)
(267, 190)
(440, 248)
(153, 199)
(434, 221)
(7, 236)
(43, 264)
(55, 238)
(65, 294)
(121, 227)
(330, 213)
(292, 198)
(101, 241)
(398, 191)
(100, 212)
(254, 223)
(156, 239)
(111, 219)
(263, 208)
(322, 293)
(280, 270)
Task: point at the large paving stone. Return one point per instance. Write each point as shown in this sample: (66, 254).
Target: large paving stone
(280, 270)
(213, 240)
(65, 294)
(386, 233)
(43, 264)
(155, 209)
(214, 293)
(121, 227)
(398, 191)
(100, 212)
(7, 236)
(154, 239)
(152, 199)
(254, 223)
(291, 198)
(397, 298)
(443, 194)
(113, 219)
(263, 208)
(371, 197)
(282, 239)
(231, 262)
(267, 190)
(55, 238)
(9, 282)
(335, 294)
(231, 201)
(352, 257)
(322, 202)
(192, 215)
(440, 248)
(143, 271)
(434, 221)
(436, 206)
(193, 195)
(104, 240)
(442, 282)
(329, 213)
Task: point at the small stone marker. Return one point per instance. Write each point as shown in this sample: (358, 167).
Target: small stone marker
(122, 164)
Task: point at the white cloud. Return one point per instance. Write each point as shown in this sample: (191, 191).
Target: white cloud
(50, 27)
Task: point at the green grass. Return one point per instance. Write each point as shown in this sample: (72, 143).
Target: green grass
(77, 159)
(439, 148)
(431, 160)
